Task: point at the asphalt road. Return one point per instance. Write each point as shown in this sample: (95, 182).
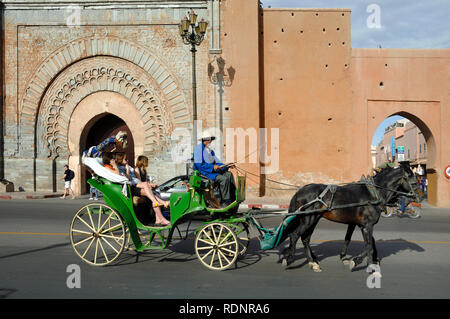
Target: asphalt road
(35, 253)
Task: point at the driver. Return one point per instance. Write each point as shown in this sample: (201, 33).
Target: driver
(206, 162)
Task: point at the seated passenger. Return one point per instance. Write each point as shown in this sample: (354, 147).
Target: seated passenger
(144, 187)
(141, 174)
(110, 163)
(141, 167)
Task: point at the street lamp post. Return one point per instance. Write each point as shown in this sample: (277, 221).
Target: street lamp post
(193, 38)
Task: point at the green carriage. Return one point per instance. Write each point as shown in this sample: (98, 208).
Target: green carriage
(101, 232)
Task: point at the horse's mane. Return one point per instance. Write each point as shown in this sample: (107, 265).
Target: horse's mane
(385, 170)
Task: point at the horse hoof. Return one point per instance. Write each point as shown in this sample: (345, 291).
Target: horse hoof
(346, 262)
(315, 267)
(284, 263)
(351, 264)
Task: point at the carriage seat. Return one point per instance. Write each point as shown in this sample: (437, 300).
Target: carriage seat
(138, 200)
(208, 187)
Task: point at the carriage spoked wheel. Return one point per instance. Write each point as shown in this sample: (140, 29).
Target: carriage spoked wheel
(243, 235)
(217, 246)
(98, 234)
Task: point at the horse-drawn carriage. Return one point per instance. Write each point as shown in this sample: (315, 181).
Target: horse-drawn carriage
(100, 233)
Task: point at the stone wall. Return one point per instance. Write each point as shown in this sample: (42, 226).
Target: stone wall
(52, 65)
(2, 96)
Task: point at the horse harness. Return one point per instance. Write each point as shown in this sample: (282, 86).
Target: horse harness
(332, 188)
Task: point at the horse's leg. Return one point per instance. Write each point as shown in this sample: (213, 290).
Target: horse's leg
(348, 237)
(306, 237)
(304, 223)
(288, 253)
(375, 259)
(368, 250)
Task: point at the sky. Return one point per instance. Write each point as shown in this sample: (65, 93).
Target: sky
(379, 132)
(408, 24)
(392, 23)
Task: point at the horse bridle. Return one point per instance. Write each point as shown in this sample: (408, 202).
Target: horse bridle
(411, 193)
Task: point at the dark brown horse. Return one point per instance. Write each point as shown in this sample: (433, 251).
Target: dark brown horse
(354, 204)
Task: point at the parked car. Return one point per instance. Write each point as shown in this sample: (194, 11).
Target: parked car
(176, 184)
(173, 185)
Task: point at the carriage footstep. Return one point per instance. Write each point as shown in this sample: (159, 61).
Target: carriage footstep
(159, 226)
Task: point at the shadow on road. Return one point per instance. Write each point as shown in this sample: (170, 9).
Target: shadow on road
(328, 249)
(36, 250)
(5, 292)
(184, 251)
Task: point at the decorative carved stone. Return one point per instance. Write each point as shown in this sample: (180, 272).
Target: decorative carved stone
(64, 78)
(103, 74)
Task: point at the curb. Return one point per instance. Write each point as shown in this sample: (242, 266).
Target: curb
(43, 196)
(18, 196)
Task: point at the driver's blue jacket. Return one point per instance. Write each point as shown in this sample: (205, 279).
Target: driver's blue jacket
(204, 161)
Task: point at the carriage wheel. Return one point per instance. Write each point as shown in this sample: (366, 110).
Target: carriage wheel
(127, 236)
(217, 246)
(98, 234)
(242, 233)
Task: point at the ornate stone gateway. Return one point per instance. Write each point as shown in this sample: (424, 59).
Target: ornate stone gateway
(114, 58)
(101, 74)
(153, 104)
(109, 85)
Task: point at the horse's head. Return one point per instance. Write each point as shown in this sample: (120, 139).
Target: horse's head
(396, 181)
(410, 183)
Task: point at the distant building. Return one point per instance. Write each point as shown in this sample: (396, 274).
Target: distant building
(409, 145)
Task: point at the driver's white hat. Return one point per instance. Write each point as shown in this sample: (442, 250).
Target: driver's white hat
(207, 136)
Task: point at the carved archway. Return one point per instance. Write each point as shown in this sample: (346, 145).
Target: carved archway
(61, 60)
(93, 75)
(86, 114)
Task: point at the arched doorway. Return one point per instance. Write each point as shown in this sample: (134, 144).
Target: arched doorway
(105, 126)
(405, 137)
(96, 117)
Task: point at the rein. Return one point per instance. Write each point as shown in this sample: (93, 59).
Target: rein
(329, 207)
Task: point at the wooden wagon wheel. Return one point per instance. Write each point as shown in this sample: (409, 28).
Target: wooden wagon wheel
(243, 235)
(217, 246)
(98, 234)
